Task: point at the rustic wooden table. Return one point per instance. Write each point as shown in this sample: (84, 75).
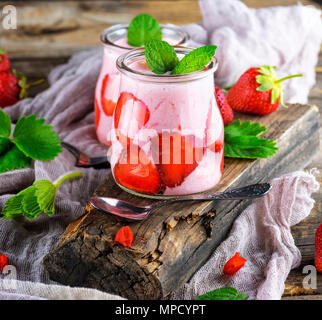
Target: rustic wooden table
(50, 31)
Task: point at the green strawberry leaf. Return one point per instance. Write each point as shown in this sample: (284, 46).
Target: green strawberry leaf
(36, 199)
(35, 139)
(160, 56)
(227, 293)
(242, 141)
(246, 128)
(5, 125)
(12, 158)
(46, 194)
(268, 80)
(142, 29)
(195, 60)
(5, 145)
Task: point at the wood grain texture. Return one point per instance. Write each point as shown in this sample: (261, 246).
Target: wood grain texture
(173, 242)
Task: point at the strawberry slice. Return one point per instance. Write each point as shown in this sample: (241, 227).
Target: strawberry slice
(222, 163)
(176, 157)
(134, 170)
(107, 90)
(131, 114)
(97, 114)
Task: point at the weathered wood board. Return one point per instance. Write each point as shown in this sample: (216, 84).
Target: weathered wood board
(173, 243)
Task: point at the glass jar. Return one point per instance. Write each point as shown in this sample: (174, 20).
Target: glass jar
(114, 41)
(168, 132)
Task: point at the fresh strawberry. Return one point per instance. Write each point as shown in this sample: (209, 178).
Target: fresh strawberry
(257, 91)
(225, 109)
(108, 105)
(4, 62)
(134, 170)
(176, 157)
(131, 114)
(9, 89)
(318, 248)
(97, 114)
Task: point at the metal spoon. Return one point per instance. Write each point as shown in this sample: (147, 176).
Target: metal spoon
(82, 160)
(133, 212)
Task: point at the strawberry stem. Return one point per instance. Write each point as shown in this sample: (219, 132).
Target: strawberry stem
(68, 176)
(289, 77)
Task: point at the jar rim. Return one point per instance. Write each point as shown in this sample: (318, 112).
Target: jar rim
(105, 41)
(121, 64)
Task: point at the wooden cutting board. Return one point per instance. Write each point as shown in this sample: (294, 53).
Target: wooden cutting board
(175, 241)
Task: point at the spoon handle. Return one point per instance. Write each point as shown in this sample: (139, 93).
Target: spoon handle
(248, 192)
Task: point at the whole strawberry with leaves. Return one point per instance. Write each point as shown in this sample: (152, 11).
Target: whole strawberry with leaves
(4, 61)
(13, 87)
(257, 91)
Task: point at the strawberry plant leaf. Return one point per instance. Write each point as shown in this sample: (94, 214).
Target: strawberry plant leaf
(35, 139)
(246, 128)
(195, 60)
(5, 125)
(160, 56)
(142, 29)
(242, 141)
(227, 293)
(46, 194)
(36, 199)
(12, 158)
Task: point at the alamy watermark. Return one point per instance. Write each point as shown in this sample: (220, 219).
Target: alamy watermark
(8, 17)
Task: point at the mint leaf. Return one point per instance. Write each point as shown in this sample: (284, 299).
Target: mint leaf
(35, 139)
(38, 198)
(142, 29)
(160, 56)
(12, 158)
(227, 293)
(242, 141)
(5, 125)
(195, 60)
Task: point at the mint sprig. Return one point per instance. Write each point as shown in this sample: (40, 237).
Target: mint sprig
(160, 56)
(227, 293)
(142, 29)
(195, 60)
(242, 141)
(32, 140)
(36, 199)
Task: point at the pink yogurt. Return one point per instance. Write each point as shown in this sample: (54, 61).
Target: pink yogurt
(114, 40)
(172, 124)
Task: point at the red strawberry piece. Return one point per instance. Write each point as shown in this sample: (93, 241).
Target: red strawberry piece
(257, 91)
(225, 109)
(135, 171)
(222, 163)
(318, 248)
(4, 63)
(97, 114)
(108, 105)
(176, 157)
(124, 236)
(9, 89)
(131, 114)
(234, 264)
(4, 261)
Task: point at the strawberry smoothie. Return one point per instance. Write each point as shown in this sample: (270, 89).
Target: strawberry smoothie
(114, 41)
(168, 133)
